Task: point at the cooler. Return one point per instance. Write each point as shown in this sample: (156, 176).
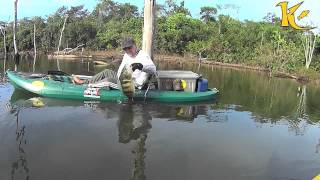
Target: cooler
(166, 78)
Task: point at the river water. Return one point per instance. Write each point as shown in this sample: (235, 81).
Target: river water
(257, 128)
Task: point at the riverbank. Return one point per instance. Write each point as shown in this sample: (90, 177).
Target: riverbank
(96, 55)
(302, 76)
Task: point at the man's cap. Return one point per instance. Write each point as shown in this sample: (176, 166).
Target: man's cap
(127, 43)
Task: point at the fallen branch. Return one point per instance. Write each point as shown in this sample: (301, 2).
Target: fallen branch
(75, 49)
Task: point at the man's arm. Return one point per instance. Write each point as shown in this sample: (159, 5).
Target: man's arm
(148, 65)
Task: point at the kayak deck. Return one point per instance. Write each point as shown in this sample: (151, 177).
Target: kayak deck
(63, 89)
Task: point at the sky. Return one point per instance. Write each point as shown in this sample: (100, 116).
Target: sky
(246, 9)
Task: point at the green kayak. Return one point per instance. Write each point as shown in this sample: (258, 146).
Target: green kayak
(62, 87)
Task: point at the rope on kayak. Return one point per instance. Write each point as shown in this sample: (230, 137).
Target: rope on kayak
(103, 84)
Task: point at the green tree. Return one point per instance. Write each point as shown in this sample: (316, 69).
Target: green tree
(171, 7)
(208, 13)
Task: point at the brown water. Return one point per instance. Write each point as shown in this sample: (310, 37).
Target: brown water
(258, 128)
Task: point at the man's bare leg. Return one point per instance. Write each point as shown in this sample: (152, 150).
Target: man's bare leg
(77, 80)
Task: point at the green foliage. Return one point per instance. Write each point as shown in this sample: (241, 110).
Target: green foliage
(177, 30)
(199, 47)
(114, 31)
(171, 7)
(208, 13)
(289, 58)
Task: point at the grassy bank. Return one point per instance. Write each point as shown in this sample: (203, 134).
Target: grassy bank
(302, 75)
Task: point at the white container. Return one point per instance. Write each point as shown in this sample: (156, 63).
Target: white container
(166, 78)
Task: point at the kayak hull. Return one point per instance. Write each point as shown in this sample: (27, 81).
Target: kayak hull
(66, 90)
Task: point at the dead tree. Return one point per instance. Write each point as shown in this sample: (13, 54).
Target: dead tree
(61, 34)
(149, 18)
(309, 44)
(16, 52)
(34, 47)
(34, 40)
(3, 32)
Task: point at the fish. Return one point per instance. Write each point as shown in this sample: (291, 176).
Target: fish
(126, 82)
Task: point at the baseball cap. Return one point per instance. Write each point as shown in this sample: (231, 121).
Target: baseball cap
(127, 43)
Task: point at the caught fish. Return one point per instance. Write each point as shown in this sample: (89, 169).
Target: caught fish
(126, 82)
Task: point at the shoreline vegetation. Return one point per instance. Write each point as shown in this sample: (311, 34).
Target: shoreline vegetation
(215, 37)
(111, 56)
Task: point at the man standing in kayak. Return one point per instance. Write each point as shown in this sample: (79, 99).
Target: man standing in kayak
(141, 64)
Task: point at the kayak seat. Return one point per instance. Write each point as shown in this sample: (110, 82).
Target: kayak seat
(59, 78)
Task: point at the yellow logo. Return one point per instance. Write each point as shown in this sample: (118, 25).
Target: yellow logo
(288, 16)
(37, 85)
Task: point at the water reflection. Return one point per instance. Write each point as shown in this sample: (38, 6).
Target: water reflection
(41, 64)
(186, 112)
(217, 116)
(301, 107)
(261, 128)
(298, 123)
(134, 120)
(318, 146)
(4, 64)
(270, 100)
(134, 124)
(58, 65)
(20, 166)
(34, 63)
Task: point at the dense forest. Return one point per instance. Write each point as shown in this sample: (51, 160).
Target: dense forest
(214, 35)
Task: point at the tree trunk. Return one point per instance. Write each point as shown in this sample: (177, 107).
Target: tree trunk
(16, 52)
(35, 48)
(149, 18)
(63, 27)
(15, 26)
(261, 43)
(310, 41)
(34, 40)
(3, 32)
(4, 66)
(5, 43)
(199, 56)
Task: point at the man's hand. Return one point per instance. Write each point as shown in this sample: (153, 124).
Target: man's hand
(135, 66)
